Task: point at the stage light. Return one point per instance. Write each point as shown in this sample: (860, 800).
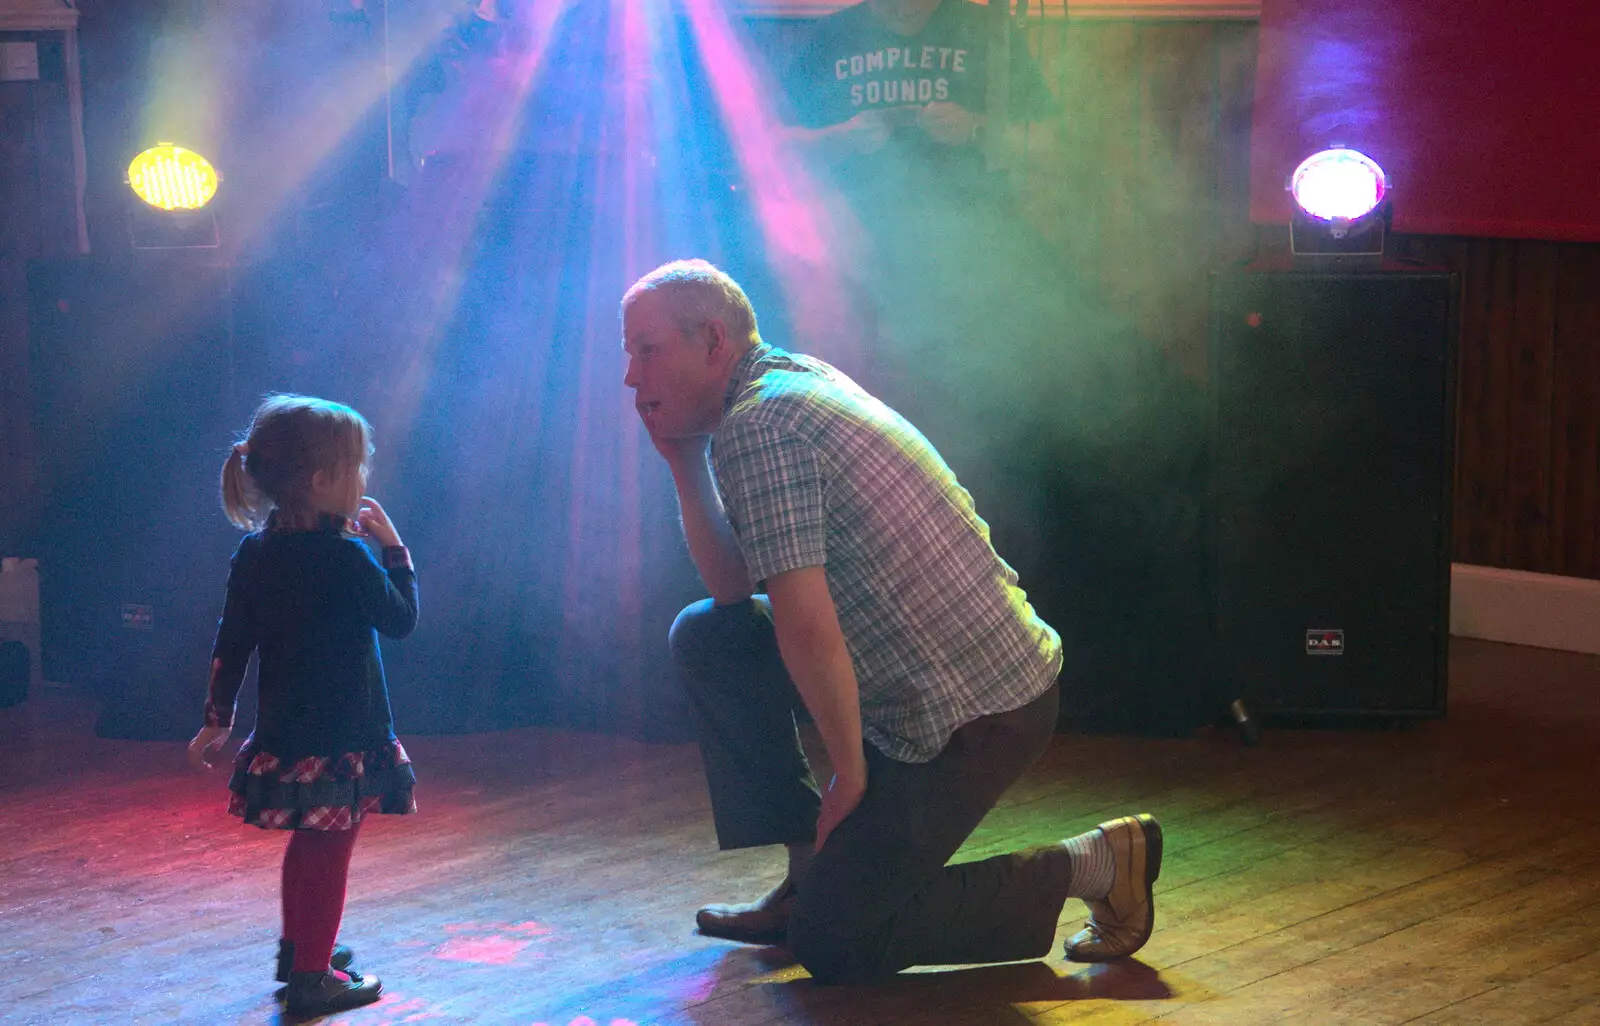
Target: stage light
(1342, 208)
(170, 177)
(1338, 185)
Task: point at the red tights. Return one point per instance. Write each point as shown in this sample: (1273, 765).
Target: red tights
(315, 867)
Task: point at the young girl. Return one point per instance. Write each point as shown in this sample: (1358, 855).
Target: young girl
(311, 600)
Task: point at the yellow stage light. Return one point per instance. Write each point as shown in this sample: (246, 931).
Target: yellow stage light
(173, 178)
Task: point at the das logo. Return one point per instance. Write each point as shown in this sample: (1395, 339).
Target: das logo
(1325, 643)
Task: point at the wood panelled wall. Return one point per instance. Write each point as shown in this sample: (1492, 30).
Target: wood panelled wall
(1528, 420)
(37, 219)
(1145, 190)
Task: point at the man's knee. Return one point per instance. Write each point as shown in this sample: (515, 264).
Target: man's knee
(836, 947)
(707, 635)
(693, 633)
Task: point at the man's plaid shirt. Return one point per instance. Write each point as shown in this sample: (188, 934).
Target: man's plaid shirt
(813, 471)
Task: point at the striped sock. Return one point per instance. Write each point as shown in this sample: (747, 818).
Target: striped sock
(1094, 868)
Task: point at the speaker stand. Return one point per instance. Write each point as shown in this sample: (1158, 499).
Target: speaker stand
(1249, 730)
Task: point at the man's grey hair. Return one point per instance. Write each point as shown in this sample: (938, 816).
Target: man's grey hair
(698, 293)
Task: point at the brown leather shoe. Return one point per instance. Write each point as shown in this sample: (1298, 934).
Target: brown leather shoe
(1120, 923)
(764, 921)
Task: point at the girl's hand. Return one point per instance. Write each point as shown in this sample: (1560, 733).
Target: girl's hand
(205, 745)
(372, 522)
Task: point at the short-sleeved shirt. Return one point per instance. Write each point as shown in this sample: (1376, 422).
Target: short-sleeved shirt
(851, 63)
(813, 471)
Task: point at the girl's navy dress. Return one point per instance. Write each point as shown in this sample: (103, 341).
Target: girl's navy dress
(311, 604)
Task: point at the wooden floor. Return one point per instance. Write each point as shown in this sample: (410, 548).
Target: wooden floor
(1449, 874)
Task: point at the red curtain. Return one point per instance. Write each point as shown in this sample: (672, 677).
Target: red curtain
(1484, 113)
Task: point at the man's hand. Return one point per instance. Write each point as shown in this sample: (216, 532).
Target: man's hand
(949, 123)
(205, 746)
(865, 133)
(680, 452)
(843, 795)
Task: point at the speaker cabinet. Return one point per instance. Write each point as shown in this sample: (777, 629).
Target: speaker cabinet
(15, 663)
(1333, 436)
(133, 373)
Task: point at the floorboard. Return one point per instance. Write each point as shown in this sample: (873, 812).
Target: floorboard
(1445, 874)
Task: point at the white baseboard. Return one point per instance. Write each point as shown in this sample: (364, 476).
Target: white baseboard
(1520, 608)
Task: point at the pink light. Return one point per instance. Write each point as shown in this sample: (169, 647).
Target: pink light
(1338, 184)
(489, 943)
(605, 557)
(529, 928)
(808, 240)
(493, 950)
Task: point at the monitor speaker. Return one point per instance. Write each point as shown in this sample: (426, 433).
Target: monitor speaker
(133, 369)
(1333, 415)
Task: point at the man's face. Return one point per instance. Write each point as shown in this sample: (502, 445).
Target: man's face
(676, 378)
(905, 17)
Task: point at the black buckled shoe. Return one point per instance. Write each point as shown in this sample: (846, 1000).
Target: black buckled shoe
(312, 994)
(342, 957)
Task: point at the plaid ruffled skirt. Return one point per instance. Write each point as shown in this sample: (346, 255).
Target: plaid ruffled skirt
(320, 792)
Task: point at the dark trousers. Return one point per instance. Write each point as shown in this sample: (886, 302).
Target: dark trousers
(879, 897)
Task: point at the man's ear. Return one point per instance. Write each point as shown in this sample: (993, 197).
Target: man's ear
(718, 333)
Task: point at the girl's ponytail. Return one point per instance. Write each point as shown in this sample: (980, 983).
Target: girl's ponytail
(238, 497)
